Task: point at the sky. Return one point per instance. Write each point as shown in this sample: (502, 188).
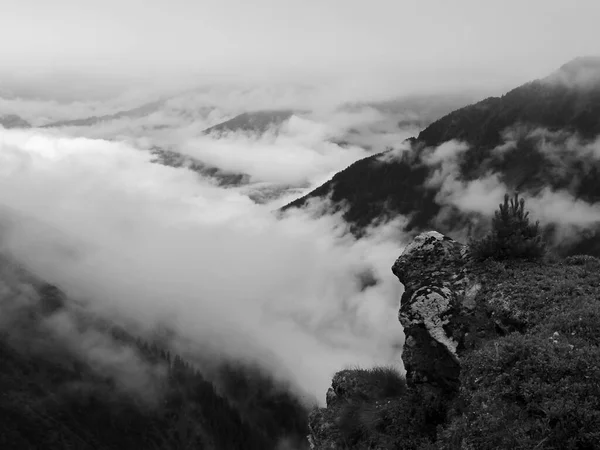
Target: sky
(403, 44)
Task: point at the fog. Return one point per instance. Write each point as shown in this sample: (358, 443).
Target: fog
(86, 206)
(69, 50)
(570, 215)
(160, 246)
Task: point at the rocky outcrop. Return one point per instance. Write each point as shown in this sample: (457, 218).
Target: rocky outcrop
(441, 320)
(437, 308)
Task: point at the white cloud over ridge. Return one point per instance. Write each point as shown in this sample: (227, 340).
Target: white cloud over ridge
(159, 245)
(571, 215)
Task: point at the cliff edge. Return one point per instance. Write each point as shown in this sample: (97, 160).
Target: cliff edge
(497, 355)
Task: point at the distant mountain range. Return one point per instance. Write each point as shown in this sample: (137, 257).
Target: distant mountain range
(507, 136)
(13, 121)
(140, 111)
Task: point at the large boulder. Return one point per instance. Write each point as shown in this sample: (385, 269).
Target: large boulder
(441, 320)
(436, 309)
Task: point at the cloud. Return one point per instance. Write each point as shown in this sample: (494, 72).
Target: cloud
(582, 72)
(40, 111)
(59, 330)
(558, 146)
(158, 245)
(299, 153)
(481, 196)
(562, 208)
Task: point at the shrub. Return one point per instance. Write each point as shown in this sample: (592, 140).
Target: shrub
(369, 396)
(408, 422)
(580, 260)
(512, 235)
(526, 392)
(378, 383)
(387, 380)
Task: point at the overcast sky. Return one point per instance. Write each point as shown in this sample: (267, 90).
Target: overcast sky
(416, 42)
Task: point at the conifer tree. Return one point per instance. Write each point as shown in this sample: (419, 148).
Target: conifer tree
(512, 235)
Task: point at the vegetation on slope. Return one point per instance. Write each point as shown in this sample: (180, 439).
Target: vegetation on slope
(512, 235)
(537, 388)
(51, 397)
(531, 385)
(526, 120)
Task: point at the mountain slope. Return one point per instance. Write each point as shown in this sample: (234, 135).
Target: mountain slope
(506, 136)
(498, 355)
(13, 121)
(254, 122)
(69, 379)
(134, 113)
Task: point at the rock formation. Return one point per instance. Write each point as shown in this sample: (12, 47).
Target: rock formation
(440, 318)
(436, 308)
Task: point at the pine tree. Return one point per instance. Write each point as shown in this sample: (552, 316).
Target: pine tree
(512, 235)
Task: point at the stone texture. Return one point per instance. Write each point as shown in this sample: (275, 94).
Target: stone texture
(441, 319)
(438, 296)
(347, 386)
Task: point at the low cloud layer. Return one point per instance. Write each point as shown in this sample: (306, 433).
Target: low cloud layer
(323, 135)
(158, 245)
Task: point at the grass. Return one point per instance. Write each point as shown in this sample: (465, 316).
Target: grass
(535, 387)
(382, 381)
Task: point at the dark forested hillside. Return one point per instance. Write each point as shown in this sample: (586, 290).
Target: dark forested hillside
(535, 136)
(53, 397)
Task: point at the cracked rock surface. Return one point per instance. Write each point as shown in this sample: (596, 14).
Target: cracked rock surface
(438, 297)
(441, 320)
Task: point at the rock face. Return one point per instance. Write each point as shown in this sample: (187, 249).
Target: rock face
(436, 306)
(345, 386)
(440, 318)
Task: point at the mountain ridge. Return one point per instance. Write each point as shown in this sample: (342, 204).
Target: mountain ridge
(381, 186)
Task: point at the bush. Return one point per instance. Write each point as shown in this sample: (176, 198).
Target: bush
(526, 392)
(385, 380)
(581, 260)
(408, 422)
(512, 235)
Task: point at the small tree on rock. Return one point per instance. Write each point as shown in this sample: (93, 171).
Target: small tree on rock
(512, 235)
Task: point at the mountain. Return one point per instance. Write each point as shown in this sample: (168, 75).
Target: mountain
(258, 192)
(134, 113)
(538, 135)
(221, 177)
(257, 122)
(13, 121)
(70, 379)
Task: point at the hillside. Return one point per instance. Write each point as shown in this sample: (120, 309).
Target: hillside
(133, 113)
(69, 379)
(538, 135)
(498, 355)
(13, 121)
(254, 122)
